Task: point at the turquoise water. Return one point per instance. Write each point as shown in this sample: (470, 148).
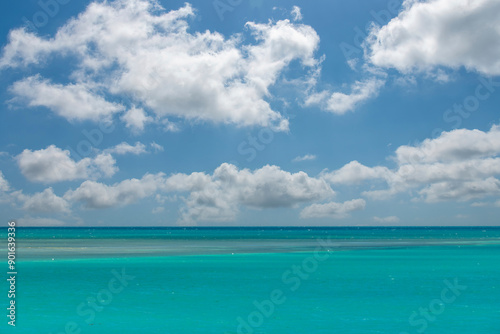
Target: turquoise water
(244, 280)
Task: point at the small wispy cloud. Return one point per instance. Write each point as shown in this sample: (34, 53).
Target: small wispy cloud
(297, 15)
(156, 147)
(340, 103)
(169, 126)
(304, 158)
(136, 149)
(125, 148)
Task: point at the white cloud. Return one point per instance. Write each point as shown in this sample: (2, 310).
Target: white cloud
(461, 191)
(4, 185)
(126, 148)
(103, 165)
(187, 182)
(135, 48)
(459, 165)
(169, 126)
(136, 149)
(467, 170)
(428, 37)
(4, 188)
(296, 13)
(215, 197)
(354, 172)
(429, 34)
(24, 48)
(340, 103)
(55, 165)
(96, 195)
(456, 145)
(46, 201)
(304, 158)
(75, 102)
(389, 219)
(270, 186)
(136, 119)
(333, 209)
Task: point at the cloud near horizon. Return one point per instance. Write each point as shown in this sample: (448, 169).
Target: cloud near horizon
(215, 197)
(459, 165)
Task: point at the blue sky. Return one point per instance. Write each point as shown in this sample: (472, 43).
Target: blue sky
(137, 112)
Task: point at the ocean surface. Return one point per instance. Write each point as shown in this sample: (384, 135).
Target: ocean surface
(255, 280)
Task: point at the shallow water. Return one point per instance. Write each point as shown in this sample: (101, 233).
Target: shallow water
(336, 280)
